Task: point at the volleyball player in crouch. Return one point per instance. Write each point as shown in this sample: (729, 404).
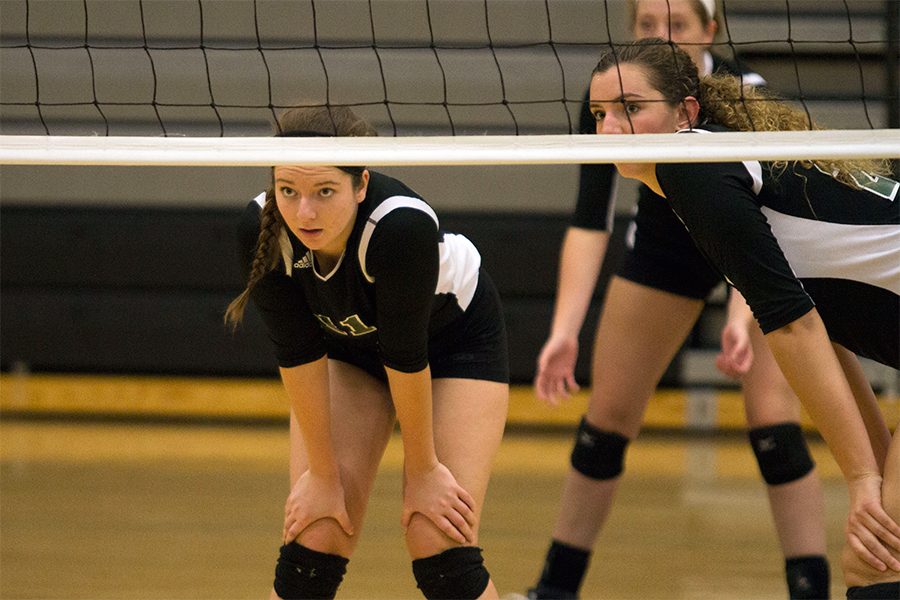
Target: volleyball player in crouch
(811, 245)
(376, 316)
(651, 305)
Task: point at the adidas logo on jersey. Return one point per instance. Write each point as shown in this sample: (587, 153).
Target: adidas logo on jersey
(303, 263)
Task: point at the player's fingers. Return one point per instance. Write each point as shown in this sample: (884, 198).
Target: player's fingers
(559, 391)
(540, 386)
(725, 366)
(863, 551)
(343, 520)
(451, 530)
(882, 528)
(572, 385)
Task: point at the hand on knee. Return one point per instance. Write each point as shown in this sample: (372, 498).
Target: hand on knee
(423, 538)
(326, 535)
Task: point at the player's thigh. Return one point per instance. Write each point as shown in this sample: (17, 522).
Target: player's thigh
(768, 398)
(469, 418)
(891, 485)
(362, 419)
(639, 332)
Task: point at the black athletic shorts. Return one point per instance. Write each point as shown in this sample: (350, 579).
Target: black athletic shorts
(661, 254)
(473, 346)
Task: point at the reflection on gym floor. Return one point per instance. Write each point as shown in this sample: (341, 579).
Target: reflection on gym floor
(166, 510)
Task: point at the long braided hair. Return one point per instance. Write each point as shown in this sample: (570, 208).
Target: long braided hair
(723, 100)
(300, 121)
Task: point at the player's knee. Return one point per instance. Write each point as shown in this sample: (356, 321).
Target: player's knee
(598, 454)
(326, 535)
(781, 452)
(305, 573)
(423, 538)
(457, 573)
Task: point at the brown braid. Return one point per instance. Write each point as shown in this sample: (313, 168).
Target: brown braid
(264, 260)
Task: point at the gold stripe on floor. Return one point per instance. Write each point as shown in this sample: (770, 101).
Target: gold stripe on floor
(264, 399)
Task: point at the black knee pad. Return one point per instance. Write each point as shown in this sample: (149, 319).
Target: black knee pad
(457, 573)
(598, 454)
(305, 573)
(808, 577)
(781, 452)
(889, 589)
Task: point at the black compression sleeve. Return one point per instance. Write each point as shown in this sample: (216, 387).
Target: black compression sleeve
(403, 259)
(716, 203)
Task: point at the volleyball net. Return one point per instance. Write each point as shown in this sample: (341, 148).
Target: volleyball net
(450, 81)
(199, 83)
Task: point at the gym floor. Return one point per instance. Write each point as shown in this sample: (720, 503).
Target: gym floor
(132, 503)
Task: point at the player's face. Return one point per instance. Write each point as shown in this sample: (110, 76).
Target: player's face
(674, 20)
(632, 105)
(319, 205)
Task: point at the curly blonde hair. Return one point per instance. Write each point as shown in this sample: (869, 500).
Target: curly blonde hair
(308, 121)
(726, 101)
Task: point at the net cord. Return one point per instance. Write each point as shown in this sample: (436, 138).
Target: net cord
(447, 150)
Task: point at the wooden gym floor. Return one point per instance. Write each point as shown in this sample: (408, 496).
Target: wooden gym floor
(143, 488)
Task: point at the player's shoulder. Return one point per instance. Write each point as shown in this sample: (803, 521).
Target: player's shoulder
(736, 68)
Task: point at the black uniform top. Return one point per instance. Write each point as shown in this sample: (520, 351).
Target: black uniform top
(595, 207)
(399, 281)
(792, 240)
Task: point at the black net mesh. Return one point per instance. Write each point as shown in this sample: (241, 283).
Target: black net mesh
(410, 67)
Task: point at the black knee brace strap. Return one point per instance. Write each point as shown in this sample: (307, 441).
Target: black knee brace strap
(457, 573)
(305, 573)
(598, 454)
(781, 452)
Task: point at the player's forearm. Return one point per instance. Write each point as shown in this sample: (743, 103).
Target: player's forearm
(867, 403)
(308, 391)
(580, 260)
(806, 358)
(411, 394)
(739, 312)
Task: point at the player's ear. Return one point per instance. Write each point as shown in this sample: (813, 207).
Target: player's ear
(363, 186)
(689, 112)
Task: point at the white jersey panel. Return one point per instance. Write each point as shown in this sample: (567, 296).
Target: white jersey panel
(460, 262)
(459, 259)
(817, 249)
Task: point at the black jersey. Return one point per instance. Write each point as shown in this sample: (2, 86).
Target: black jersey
(399, 281)
(595, 206)
(798, 238)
